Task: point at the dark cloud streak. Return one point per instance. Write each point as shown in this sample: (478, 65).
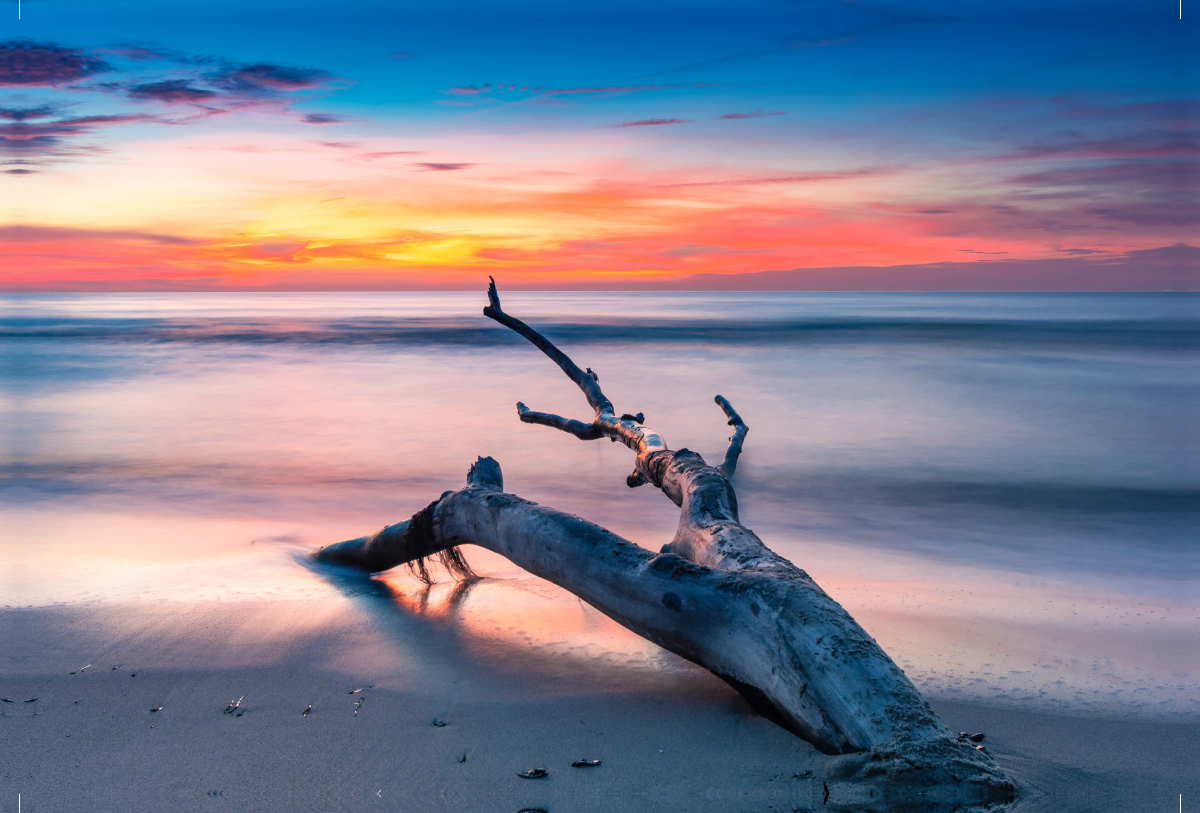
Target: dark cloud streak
(753, 114)
(58, 234)
(200, 86)
(808, 178)
(432, 166)
(25, 63)
(171, 90)
(648, 123)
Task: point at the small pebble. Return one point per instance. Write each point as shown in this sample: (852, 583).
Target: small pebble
(531, 810)
(439, 723)
(534, 773)
(976, 738)
(979, 748)
(462, 759)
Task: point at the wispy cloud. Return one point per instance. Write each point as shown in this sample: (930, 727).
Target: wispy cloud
(477, 90)
(24, 63)
(627, 88)
(811, 177)
(432, 166)
(181, 89)
(25, 136)
(649, 123)
(692, 250)
(53, 234)
(323, 118)
(1142, 145)
(29, 112)
(265, 79)
(171, 91)
(753, 114)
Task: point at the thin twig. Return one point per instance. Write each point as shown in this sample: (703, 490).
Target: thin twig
(627, 428)
(735, 442)
(585, 381)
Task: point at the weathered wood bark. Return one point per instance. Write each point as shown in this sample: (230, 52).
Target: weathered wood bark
(715, 594)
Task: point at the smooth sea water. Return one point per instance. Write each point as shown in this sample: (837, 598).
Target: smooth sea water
(1003, 489)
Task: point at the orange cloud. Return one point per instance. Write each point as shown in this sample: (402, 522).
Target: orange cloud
(279, 212)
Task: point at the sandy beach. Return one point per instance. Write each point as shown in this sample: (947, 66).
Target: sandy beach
(1028, 564)
(409, 711)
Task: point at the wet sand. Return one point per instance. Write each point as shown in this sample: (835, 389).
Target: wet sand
(671, 738)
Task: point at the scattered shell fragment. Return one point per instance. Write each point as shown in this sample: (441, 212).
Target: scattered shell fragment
(586, 763)
(439, 723)
(462, 759)
(531, 810)
(306, 711)
(234, 705)
(80, 669)
(356, 691)
(979, 748)
(156, 708)
(976, 738)
(6, 700)
(358, 705)
(31, 700)
(534, 773)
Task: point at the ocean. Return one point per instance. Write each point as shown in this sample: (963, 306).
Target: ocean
(1002, 488)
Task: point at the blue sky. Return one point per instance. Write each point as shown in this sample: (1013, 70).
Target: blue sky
(1013, 104)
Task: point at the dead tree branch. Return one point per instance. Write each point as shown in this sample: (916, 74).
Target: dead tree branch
(715, 594)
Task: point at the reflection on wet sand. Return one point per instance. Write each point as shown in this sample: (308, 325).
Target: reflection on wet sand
(520, 631)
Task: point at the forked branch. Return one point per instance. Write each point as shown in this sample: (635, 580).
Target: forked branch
(735, 441)
(627, 428)
(715, 595)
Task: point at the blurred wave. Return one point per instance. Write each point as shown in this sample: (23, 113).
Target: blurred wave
(1162, 334)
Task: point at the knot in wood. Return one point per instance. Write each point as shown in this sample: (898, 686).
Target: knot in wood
(655, 466)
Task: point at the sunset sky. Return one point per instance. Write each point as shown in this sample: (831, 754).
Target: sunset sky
(757, 144)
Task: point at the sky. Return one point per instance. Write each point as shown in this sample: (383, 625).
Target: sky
(754, 145)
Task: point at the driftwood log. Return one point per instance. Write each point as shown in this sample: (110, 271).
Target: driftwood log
(715, 595)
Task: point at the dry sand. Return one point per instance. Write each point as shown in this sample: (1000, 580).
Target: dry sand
(673, 738)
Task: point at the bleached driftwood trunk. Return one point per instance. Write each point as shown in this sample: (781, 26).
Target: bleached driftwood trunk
(715, 595)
